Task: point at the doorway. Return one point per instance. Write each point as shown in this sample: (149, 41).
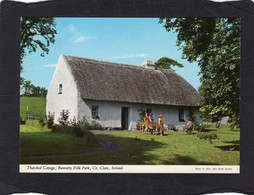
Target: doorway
(125, 118)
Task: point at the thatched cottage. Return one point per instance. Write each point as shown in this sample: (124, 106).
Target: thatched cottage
(113, 93)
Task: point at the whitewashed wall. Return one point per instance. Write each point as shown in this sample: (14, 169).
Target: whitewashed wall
(110, 113)
(68, 99)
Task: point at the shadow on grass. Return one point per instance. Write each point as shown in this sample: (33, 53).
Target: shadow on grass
(133, 149)
(209, 130)
(234, 146)
(186, 160)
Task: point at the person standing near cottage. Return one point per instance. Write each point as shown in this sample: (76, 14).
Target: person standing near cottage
(151, 119)
(146, 121)
(189, 127)
(160, 122)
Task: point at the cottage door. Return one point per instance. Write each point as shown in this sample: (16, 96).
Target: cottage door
(125, 118)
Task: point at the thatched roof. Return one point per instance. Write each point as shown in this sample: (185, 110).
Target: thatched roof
(100, 80)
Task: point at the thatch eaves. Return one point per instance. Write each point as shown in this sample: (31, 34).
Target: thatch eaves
(101, 80)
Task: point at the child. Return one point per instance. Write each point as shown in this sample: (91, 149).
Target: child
(146, 121)
(160, 122)
(151, 119)
(146, 118)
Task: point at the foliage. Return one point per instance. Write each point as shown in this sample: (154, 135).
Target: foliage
(207, 136)
(21, 121)
(192, 116)
(64, 116)
(38, 141)
(167, 63)
(84, 124)
(95, 125)
(28, 89)
(36, 32)
(172, 127)
(215, 44)
(50, 120)
(200, 128)
(41, 119)
(141, 113)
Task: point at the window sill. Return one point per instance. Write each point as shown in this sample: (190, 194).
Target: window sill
(95, 117)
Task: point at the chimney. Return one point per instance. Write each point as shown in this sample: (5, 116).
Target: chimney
(148, 64)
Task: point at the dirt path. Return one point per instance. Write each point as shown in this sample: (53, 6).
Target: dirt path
(105, 147)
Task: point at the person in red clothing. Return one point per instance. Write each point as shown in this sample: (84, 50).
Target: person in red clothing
(146, 118)
(146, 121)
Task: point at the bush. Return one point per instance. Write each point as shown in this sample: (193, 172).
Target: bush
(95, 125)
(84, 125)
(75, 131)
(50, 120)
(200, 128)
(22, 122)
(172, 127)
(41, 120)
(207, 136)
(64, 116)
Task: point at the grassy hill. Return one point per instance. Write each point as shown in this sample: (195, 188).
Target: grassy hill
(36, 106)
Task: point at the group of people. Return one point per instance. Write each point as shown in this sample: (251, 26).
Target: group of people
(149, 118)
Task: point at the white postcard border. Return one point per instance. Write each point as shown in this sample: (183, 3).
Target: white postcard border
(196, 169)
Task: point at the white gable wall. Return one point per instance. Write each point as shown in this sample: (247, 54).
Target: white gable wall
(68, 99)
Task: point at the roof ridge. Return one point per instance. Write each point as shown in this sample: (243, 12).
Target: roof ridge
(106, 62)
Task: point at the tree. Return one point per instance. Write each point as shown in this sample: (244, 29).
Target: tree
(36, 32)
(215, 44)
(167, 63)
(27, 87)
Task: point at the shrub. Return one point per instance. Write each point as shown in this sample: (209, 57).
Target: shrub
(84, 125)
(64, 116)
(22, 122)
(41, 120)
(172, 127)
(95, 125)
(75, 131)
(50, 120)
(207, 136)
(76, 128)
(200, 128)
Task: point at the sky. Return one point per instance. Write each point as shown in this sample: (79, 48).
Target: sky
(123, 40)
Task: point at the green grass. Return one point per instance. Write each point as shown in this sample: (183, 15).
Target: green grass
(172, 149)
(39, 141)
(36, 106)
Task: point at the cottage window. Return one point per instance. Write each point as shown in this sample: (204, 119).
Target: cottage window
(95, 113)
(181, 115)
(148, 110)
(60, 89)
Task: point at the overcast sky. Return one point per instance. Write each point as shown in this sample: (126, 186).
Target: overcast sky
(124, 40)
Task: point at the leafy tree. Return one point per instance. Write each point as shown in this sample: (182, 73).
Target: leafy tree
(36, 32)
(27, 87)
(215, 44)
(167, 63)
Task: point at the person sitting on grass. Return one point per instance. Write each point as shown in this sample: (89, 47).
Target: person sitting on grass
(189, 127)
(160, 122)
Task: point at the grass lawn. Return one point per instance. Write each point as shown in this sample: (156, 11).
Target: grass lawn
(36, 106)
(38, 141)
(172, 149)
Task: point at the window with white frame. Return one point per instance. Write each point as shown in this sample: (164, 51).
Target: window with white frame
(60, 88)
(181, 115)
(95, 111)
